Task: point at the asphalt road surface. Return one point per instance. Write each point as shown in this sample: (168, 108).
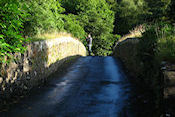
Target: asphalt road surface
(91, 87)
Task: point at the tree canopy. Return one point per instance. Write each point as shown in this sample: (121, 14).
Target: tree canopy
(104, 19)
(131, 13)
(97, 18)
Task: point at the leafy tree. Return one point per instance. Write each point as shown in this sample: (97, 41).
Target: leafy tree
(96, 17)
(171, 11)
(11, 28)
(130, 13)
(157, 9)
(45, 16)
(113, 4)
(72, 25)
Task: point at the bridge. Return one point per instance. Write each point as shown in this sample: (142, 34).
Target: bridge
(91, 87)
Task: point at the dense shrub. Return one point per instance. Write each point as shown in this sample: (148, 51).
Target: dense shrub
(166, 43)
(130, 13)
(97, 18)
(45, 16)
(156, 45)
(72, 25)
(11, 28)
(150, 74)
(166, 48)
(171, 11)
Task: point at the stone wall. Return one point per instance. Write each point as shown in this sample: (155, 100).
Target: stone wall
(32, 68)
(169, 79)
(126, 51)
(169, 88)
(148, 86)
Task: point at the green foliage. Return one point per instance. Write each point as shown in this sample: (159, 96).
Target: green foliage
(45, 16)
(171, 12)
(147, 55)
(157, 9)
(156, 45)
(130, 13)
(72, 25)
(113, 4)
(95, 17)
(166, 42)
(151, 76)
(148, 44)
(79, 17)
(11, 29)
(36, 17)
(166, 48)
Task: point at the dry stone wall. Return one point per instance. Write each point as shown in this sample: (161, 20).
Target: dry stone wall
(41, 59)
(126, 51)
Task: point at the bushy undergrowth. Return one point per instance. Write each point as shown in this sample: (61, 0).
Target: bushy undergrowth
(156, 45)
(159, 42)
(166, 48)
(166, 43)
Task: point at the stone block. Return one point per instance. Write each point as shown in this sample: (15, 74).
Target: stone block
(41, 59)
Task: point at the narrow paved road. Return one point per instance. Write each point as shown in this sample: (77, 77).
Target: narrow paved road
(92, 87)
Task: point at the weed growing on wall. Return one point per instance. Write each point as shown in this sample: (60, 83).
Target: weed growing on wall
(156, 45)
